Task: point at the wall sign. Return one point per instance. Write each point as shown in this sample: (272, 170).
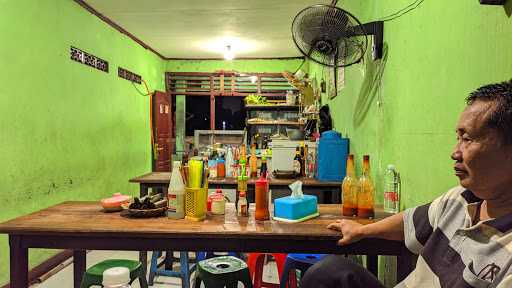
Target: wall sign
(88, 59)
(130, 76)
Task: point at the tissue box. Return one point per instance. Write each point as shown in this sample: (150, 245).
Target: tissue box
(295, 208)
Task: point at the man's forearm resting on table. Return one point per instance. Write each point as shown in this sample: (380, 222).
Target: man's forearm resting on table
(390, 228)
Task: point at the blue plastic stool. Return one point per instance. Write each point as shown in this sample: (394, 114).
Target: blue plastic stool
(300, 262)
(184, 272)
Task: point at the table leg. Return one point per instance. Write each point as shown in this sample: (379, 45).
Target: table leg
(143, 190)
(372, 264)
(18, 262)
(143, 258)
(79, 261)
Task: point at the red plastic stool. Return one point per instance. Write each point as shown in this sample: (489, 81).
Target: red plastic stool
(255, 261)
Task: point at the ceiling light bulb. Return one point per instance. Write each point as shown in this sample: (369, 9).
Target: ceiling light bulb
(228, 53)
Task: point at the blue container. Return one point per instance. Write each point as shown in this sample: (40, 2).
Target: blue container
(332, 156)
(295, 208)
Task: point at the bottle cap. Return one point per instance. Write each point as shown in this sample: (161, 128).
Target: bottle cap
(116, 276)
(391, 167)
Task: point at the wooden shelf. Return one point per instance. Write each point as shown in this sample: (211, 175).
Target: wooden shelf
(272, 107)
(275, 123)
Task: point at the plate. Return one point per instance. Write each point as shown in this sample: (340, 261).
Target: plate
(147, 213)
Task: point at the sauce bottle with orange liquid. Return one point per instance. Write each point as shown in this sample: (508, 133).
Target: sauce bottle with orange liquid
(365, 208)
(350, 189)
(253, 162)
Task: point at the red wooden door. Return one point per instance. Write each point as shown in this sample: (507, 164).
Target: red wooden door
(162, 127)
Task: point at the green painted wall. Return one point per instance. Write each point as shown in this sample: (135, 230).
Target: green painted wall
(68, 132)
(261, 65)
(437, 54)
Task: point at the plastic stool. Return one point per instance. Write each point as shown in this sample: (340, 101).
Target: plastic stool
(201, 255)
(223, 271)
(255, 262)
(300, 262)
(184, 272)
(94, 275)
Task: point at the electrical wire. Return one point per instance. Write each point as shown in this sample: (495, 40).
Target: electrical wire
(300, 66)
(145, 86)
(150, 94)
(402, 11)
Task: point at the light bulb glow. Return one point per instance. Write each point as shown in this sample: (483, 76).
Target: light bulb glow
(228, 53)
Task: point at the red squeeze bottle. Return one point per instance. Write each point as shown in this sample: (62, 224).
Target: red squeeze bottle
(261, 196)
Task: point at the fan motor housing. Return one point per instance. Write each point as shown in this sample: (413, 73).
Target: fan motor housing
(324, 46)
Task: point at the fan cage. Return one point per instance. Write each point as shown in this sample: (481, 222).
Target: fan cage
(329, 35)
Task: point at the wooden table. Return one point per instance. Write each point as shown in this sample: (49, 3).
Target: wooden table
(327, 192)
(82, 225)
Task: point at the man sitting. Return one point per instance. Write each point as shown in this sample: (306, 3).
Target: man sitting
(464, 237)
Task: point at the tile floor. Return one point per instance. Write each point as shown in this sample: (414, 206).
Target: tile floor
(64, 278)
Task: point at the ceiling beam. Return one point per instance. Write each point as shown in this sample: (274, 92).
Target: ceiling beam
(117, 27)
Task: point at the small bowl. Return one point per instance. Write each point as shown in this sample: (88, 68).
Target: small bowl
(115, 203)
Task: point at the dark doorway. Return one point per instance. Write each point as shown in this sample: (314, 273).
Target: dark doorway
(229, 113)
(197, 114)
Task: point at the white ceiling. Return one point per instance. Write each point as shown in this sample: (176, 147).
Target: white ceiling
(202, 28)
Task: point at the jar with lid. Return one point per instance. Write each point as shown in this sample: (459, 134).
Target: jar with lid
(218, 204)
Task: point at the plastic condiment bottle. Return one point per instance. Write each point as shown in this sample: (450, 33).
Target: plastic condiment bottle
(263, 168)
(253, 162)
(243, 207)
(221, 168)
(176, 193)
(262, 212)
(241, 183)
(365, 196)
(243, 154)
(116, 277)
(350, 189)
(229, 162)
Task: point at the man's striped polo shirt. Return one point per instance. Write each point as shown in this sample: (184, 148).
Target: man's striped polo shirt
(453, 250)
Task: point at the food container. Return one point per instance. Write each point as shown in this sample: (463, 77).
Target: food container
(115, 202)
(218, 204)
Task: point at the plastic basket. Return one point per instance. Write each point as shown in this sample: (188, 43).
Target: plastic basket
(195, 203)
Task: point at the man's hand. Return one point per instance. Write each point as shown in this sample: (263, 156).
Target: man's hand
(351, 231)
(390, 228)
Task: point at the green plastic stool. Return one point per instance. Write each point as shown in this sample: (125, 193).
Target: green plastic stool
(94, 275)
(223, 271)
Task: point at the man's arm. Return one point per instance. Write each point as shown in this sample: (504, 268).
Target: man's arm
(390, 228)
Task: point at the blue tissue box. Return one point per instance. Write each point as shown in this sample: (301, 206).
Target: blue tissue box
(295, 208)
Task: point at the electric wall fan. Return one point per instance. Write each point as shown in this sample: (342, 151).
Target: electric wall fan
(333, 37)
